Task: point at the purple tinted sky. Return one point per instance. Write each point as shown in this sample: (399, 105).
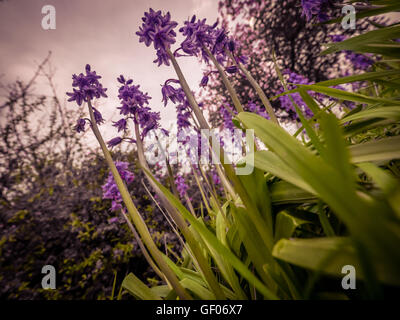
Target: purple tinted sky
(101, 33)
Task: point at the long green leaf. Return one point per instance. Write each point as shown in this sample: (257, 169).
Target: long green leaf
(269, 162)
(389, 184)
(328, 255)
(138, 289)
(376, 150)
(359, 77)
(350, 96)
(283, 192)
(383, 112)
(286, 224)
(353, 43)
(197, 289)
(259, 254)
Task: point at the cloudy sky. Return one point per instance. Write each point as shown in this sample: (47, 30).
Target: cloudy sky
(101, 33)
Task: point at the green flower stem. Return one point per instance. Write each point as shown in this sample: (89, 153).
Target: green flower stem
(189, 204)
(257, 87)
(229, 171)
(135, 216)
(280, 76)
(169, 169)
(192, 101)
(171, 178)
(142, 247)
(214, 197)
(203, 195)
(228, 189)
(181, 223)
(323, 219)
(228, 85)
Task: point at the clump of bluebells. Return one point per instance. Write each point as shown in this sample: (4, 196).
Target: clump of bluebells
(316, 8)
(110, 189)
(359, 61)
(293, 79)
(181, 185)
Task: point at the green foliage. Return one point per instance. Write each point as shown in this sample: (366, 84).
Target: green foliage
(67, 224)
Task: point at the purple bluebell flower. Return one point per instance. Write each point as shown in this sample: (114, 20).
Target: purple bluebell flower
(97, 116)
(231, 69)
(162, 58)
(134, 106)
(171, 93)
(312, 7)
(220, 42)
(77, 96)
(220, 36)
(120, 125)
(204, 81)
(132, 95)
(199, 34)
(88, 87)
(80, 125)
(148, 120)
(181, 185)
(158, 29)
(114, 142)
